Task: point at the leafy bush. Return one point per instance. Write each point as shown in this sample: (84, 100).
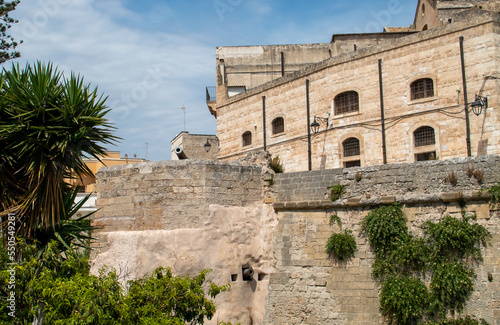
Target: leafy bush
(451, 286)
(336, 191)
(386, 228)
(403, 299)
(455, 239)
(63, 288)
(401, 261)
(407, 258)
(342, 246)
(460, 321)
(276, 165)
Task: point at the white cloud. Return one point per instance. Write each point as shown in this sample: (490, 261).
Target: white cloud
(143, 72)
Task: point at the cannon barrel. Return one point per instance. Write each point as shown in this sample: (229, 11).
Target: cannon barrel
(248, 272)
(180, 153)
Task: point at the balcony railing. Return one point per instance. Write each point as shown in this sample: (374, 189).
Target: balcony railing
(211, 91)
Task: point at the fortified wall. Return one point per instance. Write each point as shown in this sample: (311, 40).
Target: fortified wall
(190, 215)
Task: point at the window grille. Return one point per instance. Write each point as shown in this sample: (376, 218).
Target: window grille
(347, 102)
(424, 136)
(247, 138)
(422, 88)
(351, 147)
(278, 125)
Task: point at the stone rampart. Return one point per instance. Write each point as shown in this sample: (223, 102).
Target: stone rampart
(308, 288)
(191, 215)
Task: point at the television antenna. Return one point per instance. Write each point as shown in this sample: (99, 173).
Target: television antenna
(183, 110)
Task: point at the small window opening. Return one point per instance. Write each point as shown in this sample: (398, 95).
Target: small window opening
(354, 163)
(422, 88)
(247, 138)
(347, 102)
(424, 136)
(278, 125)
(247, 272)
(351, 147)
(234, 277)
(425, 156)
(261, 276)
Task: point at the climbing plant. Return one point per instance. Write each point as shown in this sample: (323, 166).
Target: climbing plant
(341, 246)
(403, 262)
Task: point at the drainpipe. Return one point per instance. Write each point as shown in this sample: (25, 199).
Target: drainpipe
(309, 157)
(382, 114)
(264, 120)
(466, 104)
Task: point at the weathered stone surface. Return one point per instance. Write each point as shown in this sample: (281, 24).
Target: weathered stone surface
(191, 215)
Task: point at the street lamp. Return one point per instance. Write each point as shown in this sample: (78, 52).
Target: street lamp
(478, 104)
(315, 124)
(207, 146)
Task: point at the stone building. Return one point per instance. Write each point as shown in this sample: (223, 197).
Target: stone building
(403, 95)
(394, 97)
(194, 146)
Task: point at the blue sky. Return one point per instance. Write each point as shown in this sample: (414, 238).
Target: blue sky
(152, 57)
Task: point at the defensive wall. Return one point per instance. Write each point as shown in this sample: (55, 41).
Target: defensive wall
(190, 215)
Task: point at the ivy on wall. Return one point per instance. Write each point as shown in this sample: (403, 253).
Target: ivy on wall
(403, 262)
(341, 246)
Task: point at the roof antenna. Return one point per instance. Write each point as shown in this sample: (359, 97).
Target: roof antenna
(184, 110)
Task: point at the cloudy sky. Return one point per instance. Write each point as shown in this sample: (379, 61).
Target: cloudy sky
(153, 57)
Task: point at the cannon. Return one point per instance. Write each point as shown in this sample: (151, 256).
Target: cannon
(180, 153)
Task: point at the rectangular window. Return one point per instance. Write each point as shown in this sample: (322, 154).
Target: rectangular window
(425, 156)
(354, 163)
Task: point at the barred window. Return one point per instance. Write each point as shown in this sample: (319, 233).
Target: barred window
(278, 125)
(351, 147)
(247, 138)
(424, 136)
(347, 102)
(422, 88)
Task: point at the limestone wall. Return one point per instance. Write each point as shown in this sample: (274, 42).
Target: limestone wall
(308, 288)
(190, 215)
(433, 54)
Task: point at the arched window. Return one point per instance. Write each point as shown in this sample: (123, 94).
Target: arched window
(346, 102)
(247, 138)
(425, 28)
(278, 125)
(422, 137)
(351, 147)
(422, 88)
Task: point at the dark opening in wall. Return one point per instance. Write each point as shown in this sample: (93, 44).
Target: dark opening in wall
(247, 272)
(234, 277)
(354, 163)
(261, 276)
(425, 156)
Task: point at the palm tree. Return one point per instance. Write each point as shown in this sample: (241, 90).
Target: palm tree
(48, 124)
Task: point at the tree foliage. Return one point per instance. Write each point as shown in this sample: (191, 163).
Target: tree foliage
(7, 43)
(48, 124)
(69, 295)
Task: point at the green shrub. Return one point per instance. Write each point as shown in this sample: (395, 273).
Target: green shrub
(386, 228)
(341, 246)
(276, 165)
(403, 299)
(336, 191)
